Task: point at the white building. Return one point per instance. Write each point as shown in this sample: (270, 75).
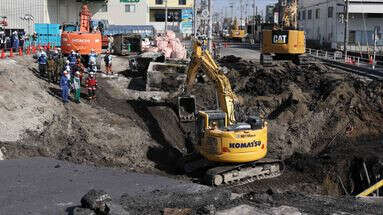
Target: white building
(322, 22)
(117, 12)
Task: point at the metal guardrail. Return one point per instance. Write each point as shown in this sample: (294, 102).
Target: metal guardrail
(337, 56)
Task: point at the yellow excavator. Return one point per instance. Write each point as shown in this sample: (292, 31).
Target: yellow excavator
(285, 42)
(233, 152)
(236, 33)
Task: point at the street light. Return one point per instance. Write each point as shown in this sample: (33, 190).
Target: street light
(166, 15)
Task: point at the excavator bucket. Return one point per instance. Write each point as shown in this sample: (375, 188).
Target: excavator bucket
(186, 108)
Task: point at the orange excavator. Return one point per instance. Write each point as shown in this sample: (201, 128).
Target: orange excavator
(82, 39)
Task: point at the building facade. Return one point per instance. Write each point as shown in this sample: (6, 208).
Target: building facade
(175, 10)
(117, 12)
(322, 21)
(122, 12)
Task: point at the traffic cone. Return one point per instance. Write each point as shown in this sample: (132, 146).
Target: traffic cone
(28, 50)
(20, 52)
(371, 61)
(34, 49)
(39, 47)
(2, 54)
(11, 53)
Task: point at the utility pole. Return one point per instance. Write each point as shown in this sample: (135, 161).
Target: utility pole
(166, 15)
(210, 40)
(241, 8)
(194, 19)
(232, 11)
(375, 40)
(254, 19)
(346, 28)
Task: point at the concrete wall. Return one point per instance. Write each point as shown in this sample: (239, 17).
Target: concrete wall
(328, 30)
(67, 11)
(14, 9)
(117, 16)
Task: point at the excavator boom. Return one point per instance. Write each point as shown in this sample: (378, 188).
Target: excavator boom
(225, 95)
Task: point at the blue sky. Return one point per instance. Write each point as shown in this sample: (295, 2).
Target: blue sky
(220, 5)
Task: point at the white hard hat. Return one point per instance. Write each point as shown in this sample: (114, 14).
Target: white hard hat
(65, 72)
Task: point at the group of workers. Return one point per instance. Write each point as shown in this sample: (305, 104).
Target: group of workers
(16, 40)
(69, 72)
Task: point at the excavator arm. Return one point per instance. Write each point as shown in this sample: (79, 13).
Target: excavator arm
(289, 19)
(203, 61)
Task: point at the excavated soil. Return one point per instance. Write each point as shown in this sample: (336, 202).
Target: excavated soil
(106, 132)
(322, 121)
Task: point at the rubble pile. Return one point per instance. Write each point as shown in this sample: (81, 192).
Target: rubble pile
(169, 45)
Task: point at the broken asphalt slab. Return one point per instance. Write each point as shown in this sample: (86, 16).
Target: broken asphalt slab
(48, 186)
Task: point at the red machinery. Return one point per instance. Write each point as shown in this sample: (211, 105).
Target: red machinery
(82, 40)
(4, 21)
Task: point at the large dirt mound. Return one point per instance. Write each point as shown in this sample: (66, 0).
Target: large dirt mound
(308, 107)
(107, 132)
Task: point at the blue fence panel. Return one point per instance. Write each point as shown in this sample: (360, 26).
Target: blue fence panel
(48, 33)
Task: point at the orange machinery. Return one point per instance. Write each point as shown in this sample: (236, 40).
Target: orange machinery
(82, 40)
(4, 21)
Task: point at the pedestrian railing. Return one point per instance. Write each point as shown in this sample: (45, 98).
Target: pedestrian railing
(338, 56)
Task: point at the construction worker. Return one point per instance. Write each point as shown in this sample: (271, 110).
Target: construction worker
(91, 84)
(2, 40)
(15, 41)
(42, 64)
(92, 55)
(72, 59)
(34, 39)
(76, 85)
(40, 52)
(51, 68)
(80, 68)
(108, 63)
(64, 85)
(92, 58)
(110, 42)
(60, 65)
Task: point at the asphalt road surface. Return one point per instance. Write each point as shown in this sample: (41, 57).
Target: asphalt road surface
(243, 52)
(47, 186)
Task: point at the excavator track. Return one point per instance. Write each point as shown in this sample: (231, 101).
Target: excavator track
(232, 176)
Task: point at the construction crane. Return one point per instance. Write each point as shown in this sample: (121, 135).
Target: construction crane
(233, 151)
(284, 42)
